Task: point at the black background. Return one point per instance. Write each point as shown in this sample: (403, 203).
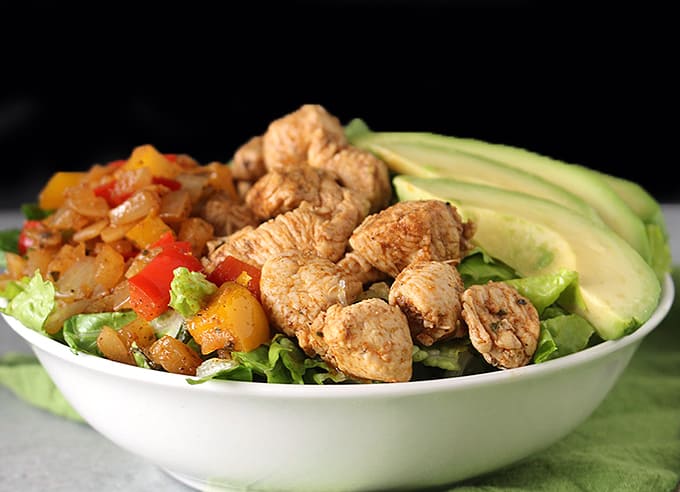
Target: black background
(585, 86)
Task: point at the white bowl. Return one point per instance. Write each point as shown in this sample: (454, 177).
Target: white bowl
(229, 435)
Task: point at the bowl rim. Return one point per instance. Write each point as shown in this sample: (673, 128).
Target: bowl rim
(99, 364)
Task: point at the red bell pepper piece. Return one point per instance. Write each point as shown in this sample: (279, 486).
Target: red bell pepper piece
(108, 192)
(172, 184)
(150, 288)
(230, 268)
(25, 241)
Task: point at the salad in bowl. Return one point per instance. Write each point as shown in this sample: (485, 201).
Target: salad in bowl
(324, 254)
(336, 308)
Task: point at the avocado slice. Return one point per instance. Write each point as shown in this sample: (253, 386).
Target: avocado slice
(427, 159)
(617, 289)
(638, 199)
(577, 179)
(649, 211)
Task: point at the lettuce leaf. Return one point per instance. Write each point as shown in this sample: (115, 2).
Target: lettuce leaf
(451, 355)
(562, 335)
(544, 290)
(81, 330)
(31, 300)
(660, 250)
(356, 127)
(479, 268)
(32, 211)
(189, 291)
(280, 361)
(9, 242)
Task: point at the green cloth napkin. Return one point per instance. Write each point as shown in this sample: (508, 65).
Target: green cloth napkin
(24, 376)
(630, 443)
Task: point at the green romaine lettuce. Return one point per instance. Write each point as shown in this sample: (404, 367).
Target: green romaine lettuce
(562, 335)
(450, 355)
(280, 361)
(81, 331)
(9, 243)
(660, 250)
(31, 300)
(32, 211)
(189, 291)
(544, 290)
(479, 268)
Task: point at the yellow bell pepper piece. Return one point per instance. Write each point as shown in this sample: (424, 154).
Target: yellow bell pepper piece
(233, 319)
(52, 195)
(222, 179)
(147, 231)
(148, 156)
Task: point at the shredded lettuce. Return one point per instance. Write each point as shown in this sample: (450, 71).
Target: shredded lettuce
(81, 330)
(189, 291)
(30, 300)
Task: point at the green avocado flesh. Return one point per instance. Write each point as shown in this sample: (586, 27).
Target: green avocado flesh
(618, 291)
(431, 160)
(578, 180)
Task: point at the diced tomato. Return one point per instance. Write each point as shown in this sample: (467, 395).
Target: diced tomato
(108, 192)
(150, 288)
(172, 184)
(231, 268)
(25, 241)
(171, 157)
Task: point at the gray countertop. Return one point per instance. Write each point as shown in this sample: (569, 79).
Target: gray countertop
(42, 452)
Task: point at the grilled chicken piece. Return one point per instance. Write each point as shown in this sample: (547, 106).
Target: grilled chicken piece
(248, 162)
(227, 216)
(323, 230)
(405, 232)
(367, 340)
(288, 139)
(428, 293)
(283, 190)
(358, 170)
(359, 269)
(503, 325)
(296, 287)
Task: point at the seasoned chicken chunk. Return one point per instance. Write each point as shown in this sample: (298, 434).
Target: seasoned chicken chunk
(287, 140)
(358, 170)
(428, 293)
(227, 216)
(248, 162)
(405, 232)
(323, 230)
(503, 325)
(367, 340)
(358, 268)
(283, 190)
(296, 287)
